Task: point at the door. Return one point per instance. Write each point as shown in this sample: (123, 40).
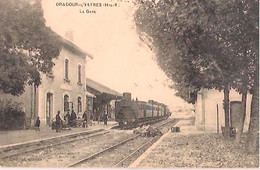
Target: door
(235, 113)
(49, 108)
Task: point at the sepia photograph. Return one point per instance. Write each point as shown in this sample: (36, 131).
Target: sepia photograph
(129, 84)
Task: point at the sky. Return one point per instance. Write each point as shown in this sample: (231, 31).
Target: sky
(121, 60)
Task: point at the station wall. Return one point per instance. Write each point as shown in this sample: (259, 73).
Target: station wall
(206, 109)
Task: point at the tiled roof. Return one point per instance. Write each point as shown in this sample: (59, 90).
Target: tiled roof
(72, 46)
(101, 88)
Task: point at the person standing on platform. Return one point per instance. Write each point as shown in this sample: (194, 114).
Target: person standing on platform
(58, 122)
(91, 119)
(105, 118)
(85, 119)
(98, 118)
(73, 118)
(95, 115)
(37, 124)
(91, 116)
(68, 117)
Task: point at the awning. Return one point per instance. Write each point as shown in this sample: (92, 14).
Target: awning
(90, 95)
(101, 88)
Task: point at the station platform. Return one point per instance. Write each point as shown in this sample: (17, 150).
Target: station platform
(19, 137)
(152, 158)
(192, 148)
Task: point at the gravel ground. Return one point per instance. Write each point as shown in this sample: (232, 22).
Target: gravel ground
(63, 155)
(199, 150)
(109, 159)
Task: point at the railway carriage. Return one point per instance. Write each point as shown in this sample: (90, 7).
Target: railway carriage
(130, 113)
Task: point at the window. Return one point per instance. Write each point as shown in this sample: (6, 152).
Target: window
(66, 69)
(79, 105)
(66, 103)
(79, 74)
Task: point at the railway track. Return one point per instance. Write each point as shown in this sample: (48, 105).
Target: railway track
(101, 152)
(35, 146)
(8, 152)
(63, 153)
(121, 163)
(125, 159)
(89, 147)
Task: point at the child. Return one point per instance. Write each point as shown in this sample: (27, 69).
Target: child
(37, 124)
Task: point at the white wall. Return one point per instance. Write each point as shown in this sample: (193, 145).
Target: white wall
(59, 87)
(211, 99)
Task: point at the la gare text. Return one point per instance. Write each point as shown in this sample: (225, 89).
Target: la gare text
(87, 11)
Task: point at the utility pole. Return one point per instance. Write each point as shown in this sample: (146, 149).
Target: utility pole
(217, 120)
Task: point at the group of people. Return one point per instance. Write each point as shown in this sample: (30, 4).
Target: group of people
(98, 116)
(69, 120)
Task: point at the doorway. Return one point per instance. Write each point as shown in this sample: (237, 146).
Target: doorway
(235, 113)
(49, 108)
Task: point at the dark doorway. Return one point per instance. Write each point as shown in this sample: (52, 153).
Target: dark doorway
(235, 113)
(49, 108)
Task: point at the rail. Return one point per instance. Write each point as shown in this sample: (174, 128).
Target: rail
(131, 154)
(36, 147)
(100, 152)
(117, 145)
(141, 147)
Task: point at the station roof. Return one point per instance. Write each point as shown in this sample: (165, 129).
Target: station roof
(90, 94)
(101, 88)
(72, 47)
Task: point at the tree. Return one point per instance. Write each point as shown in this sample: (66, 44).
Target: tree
(27, 46)
(203, 44)
(241, 32)
(181, 32)
(252, 135)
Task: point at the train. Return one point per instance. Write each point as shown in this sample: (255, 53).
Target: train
(130, 113)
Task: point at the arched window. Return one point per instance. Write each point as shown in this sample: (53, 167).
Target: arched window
(67, 69)
(79, 105)
(79, 74)
(66, 103)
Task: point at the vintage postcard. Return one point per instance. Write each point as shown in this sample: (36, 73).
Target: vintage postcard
(129, 84)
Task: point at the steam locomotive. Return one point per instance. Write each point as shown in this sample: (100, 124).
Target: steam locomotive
(129, 113)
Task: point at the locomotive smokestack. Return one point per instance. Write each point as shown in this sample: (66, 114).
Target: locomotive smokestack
(150, 101)
(127, 96)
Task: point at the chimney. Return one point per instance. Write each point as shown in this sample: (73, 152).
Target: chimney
(69, 35)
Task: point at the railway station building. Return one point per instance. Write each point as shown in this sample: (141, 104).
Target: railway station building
(209, 111)
(62, 90)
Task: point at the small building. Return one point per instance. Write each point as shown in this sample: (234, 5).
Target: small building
(209, 109)
(62, 90)
(105, 99)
